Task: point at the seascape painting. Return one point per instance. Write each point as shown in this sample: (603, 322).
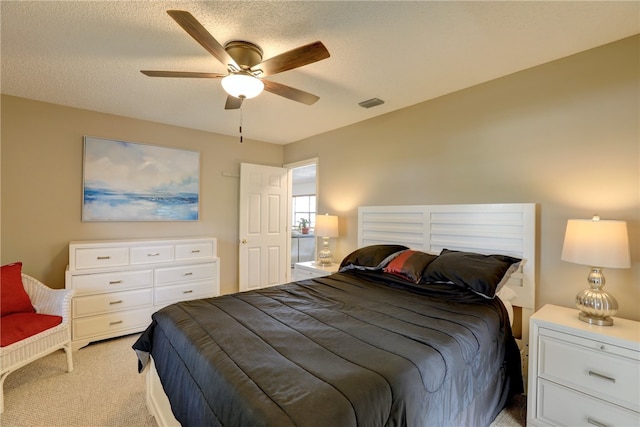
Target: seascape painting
(125, 181)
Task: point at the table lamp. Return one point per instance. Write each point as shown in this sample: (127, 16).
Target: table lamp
(598, 244)
(326, 227)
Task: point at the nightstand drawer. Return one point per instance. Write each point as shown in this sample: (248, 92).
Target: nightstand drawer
(311, 270)
(302, 274)
(601, 370)
(561, 406)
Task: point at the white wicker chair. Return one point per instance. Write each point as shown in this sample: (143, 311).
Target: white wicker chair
(46, 301)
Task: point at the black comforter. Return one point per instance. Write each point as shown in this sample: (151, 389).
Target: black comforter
(354, 348)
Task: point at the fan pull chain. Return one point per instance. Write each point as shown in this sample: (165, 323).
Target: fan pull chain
(241, 124)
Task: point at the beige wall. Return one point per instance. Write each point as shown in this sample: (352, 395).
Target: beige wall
(42, 185)
(564, 135)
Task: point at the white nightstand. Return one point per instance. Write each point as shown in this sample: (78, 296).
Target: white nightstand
(581, 374)
(311, 269)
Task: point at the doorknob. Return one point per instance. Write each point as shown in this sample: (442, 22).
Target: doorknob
(244, 241)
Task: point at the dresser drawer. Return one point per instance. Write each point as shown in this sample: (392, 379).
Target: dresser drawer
(165, 276)
(111, 302)
(113, 324)
(194, 250)
(169, 294)
(108, 282)
(151, 254)
(601, 370)
(561, 406)
(101, 257)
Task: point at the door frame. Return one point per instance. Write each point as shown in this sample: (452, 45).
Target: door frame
(290, 166)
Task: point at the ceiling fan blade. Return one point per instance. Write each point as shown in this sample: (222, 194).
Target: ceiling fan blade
(233, 103)
(290, 92)
(187, 74)
(294, 58)
(202, 36)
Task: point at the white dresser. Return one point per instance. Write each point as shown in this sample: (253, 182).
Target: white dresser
(581, 374)
(120, 283)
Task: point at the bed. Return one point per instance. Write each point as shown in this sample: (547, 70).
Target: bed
(409, 332)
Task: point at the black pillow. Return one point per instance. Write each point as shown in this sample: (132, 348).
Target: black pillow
(483, 274)
(410, 265)
(374, 257)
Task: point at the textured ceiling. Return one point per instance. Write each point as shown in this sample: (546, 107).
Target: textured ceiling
(88, 54)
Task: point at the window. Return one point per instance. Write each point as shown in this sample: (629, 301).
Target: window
(304, 207)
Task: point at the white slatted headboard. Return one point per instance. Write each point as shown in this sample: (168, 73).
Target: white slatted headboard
(508, 229)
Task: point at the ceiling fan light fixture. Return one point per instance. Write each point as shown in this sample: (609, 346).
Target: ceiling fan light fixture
(242, 85)
(244, 64)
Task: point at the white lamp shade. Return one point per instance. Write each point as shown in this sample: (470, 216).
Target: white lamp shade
(242, 85)
(597, 243)
(326, 226)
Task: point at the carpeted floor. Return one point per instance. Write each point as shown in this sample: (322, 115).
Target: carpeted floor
(514, 414)
(105, 389)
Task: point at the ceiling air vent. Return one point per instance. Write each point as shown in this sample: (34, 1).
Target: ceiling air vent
(373, 102)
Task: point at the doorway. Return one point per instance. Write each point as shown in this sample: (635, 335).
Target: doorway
(303, 210)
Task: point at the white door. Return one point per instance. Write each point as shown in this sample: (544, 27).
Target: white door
(264, 255)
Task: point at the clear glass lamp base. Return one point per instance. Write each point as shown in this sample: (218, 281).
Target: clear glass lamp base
(600, 321)
(325, 257)
(596, 307)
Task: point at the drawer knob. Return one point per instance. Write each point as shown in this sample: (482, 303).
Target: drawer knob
(154, 254)
(187, 292)
(115, 302)
(103, 257)
(596, 423)
(117, 322)
(188, 274)
(601, 376)
(195, 251)
(115, 282)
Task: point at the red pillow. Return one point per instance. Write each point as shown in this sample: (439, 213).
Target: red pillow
(13, 297)
(410, 264)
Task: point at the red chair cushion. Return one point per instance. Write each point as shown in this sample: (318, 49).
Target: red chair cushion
(18, 326)
(13, 297)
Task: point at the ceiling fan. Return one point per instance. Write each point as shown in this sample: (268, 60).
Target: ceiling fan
(246, 69)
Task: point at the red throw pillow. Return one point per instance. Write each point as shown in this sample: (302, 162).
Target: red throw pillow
(13, 297)
(410, 264)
